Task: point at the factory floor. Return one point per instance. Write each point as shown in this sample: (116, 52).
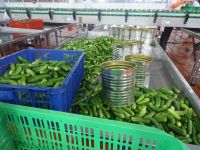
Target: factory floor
(180, 50)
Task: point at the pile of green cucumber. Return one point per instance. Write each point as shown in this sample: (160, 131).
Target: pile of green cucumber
(37, 73)
(97, 51)
(161, 108)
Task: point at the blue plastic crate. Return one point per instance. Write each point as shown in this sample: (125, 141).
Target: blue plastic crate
(44, 97)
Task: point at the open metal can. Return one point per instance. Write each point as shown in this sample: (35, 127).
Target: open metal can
(142, 70)
(122, 48)
(118, 82)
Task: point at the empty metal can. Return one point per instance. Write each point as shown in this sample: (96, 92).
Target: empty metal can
(117, 32)
(147, 35)
(122, 48)
(135, 33)
(114, 32)
(142, 70)
(118, 82)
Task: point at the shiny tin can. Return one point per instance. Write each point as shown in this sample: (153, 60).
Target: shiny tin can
(118, 82)
(122, 48)
(142, 70)
(147, 35)
(136, 33)
(114, 32)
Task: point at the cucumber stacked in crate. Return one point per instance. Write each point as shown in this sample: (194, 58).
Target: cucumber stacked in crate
(41, 78)
(34, 128)
(38, 73)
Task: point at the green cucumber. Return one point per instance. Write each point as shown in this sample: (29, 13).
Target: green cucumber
(29, 71)
(158, 101)
(178, 123)
(133, 106)
(171, 118)
(181, 113)
(189, 127)
(196, 123)
(43, 72)
(137, 94)
(44, 67)
(198, 137)
(166, 128)
(189, 113)
(155, 122)
(94, 110)
(15, 77)
(62, 73)
(142, 112)
(166, 91)
(43, 81)
(37, 78)
(119, 119)
(126, 114)
(150, 114)
(23, 80)
(164, 107)
(100, 112)
(23, 60)
(120, 115)
(140, 99)
(120, 111)
(140, 120)
(176, 105)
(55, 75)
(66, 67)
(106, 113)
(183, 106)
(128, 111)
(89, 110)
(144, 101)
(176, 90)
(76, 103)
(8, 81)
(161, 118)
(163, 96)
(185, 139)
(174, 113)
(176, 129)
(12, 69)
(56, 85)
(46, 84)
(35, 63)
(194, 138)
(59, 63)
(18, 70)
(84, 110)
(57, 79)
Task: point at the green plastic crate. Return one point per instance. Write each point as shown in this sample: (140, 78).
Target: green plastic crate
(5, 140)
(34, 128)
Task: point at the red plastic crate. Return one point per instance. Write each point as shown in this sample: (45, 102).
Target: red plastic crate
(27, 23)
